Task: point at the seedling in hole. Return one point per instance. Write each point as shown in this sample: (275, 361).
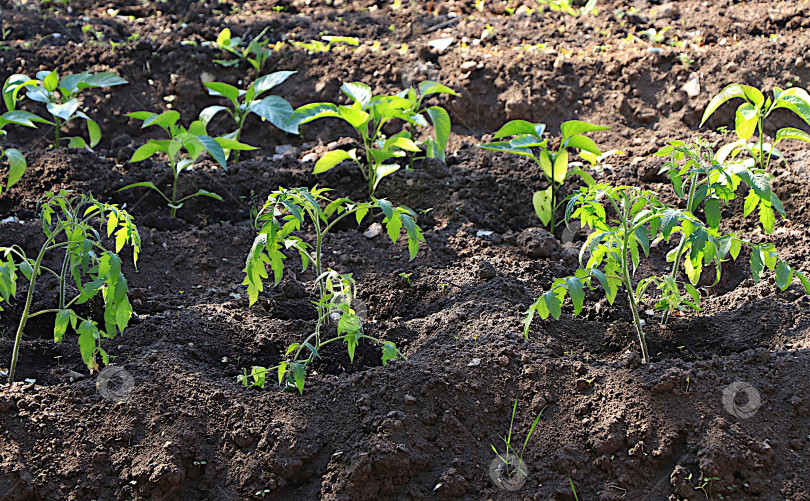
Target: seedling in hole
(274, 109)
(367, 115)
(285, 211)
(15, 158)
(60, 99)
(184, 148)
(407, 277)
(698, 176)
(614, 254)
(316, 46)
(750, 118)
(527, 138)
(255, 52)
(512, 462)
(68, 221)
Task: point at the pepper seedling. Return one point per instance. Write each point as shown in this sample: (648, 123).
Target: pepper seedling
(255, 52)
(274, 109)
(367, 115)
(60, 99)
(68, 222)
(184, 148)
(280, 217)
(526, 137)
(750, 118)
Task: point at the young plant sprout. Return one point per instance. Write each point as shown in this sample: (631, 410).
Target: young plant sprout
(280, 217)
(527, 137)
(367, 115)
(68, 220)
(614, 254)
(184, 148)
(750, 118)
(16, 160)
(274, 109)
(512, 465)
(316, 46)
(60, 99)
(255, 52)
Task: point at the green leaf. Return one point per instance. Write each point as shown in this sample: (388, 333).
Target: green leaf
(63, 111)
(213, 147)
(583, 143)
(51, 81)
(732, 91)
(224, 90)
(791, 133)
(541, 200)
(358, 92)
(560, 166)
(330, 160)
(313, 111)
(86, 80)
(389, 352)
(16, 166)
(88, 334)
(610, 289)
(277, 111)
(441, 125)
(784, 275)
(796, 100)
(751, 202)
(428, 87)
(208, 113)
(60, 326)
(94, 131)
(515, 127)
(577, 293)
(746, 120)
(669, 220)
(299, 375)
(267, 82)
(767, 218)
(712, 209)
(757, 264)
(574, 127)
(282, 370)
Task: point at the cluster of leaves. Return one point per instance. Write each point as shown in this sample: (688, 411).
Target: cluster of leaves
(368, 114)
(565, 6)
(614, 252)
(16, 160)
(256, 52)
(68, 223)
(60, 97)
(750, 118)
(184, 148)
(285, 211)
(274, 109)
(318, 46)
(526, 138)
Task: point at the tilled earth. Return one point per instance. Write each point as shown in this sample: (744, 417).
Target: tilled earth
(419, 428)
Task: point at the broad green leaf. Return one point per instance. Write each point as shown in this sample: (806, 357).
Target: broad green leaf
(85, 80)
(77, 142)
(515, 127)
(746, 121)
(757, 264)
(224, 90)
(299, 375)
(577, 293)
(313, 111)
(541, 200)
(16, 165)
(60, 326)
(356, 117)
(389, 352)
(589, 180)
(51, 81)
(574, 127)
(732, 91)
(213, 147)
(232, 144)
(751, 202)
(669, 220)
(767, 218)
(583, 143)
(402, 143)
(441, 125)
(94, 132)
(358, 92)
(712, 209)
(784, 275)
(545, 163)
(208, 113)
(561, 166)
(63, 111)
(791, 133)
(796, 100)
(505, 147)
(428, 87)
(382, 171)
(330, 160)
(87, 344)
(267, 82)
(277, 111)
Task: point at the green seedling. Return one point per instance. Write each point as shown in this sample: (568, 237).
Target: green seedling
(68, 221)
(255, 52)
(285, 211)
(750, 118)
(527, 138)
(433, 147)
(697, 176)
(184, 148)
(573, 489)
(16, 160)
(60, 99)
(317, 46)
(273, 109)
(565, 6)
(512, 462)
(367, 115)
(615, 245)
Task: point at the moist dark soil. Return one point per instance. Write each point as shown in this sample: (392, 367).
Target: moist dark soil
(419, 428)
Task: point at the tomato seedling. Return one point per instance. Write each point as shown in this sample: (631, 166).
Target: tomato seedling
(60, 99)
(280, 217)
(184, 148)
(526, 137)
(274, 109)
(367, 115)
(68, 222)
(614, 254)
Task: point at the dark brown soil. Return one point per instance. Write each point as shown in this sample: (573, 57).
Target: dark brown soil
(419, 428)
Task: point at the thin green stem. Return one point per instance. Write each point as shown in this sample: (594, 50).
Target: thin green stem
(629, 285)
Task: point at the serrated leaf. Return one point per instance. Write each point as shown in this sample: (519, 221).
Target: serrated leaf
(577, 293)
